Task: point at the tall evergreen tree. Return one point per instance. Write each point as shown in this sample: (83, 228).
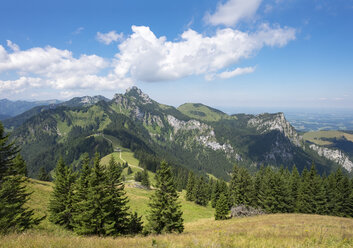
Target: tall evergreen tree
(145, 181)
(190, 187)
(93, 219)
(200, 192)
(216, 192)
(14, 216)
(222, 208)
(234, 187)
(61, 204)
(116, 221)
(295, 185)
(81, 196)
(165, 210)
(43, 175)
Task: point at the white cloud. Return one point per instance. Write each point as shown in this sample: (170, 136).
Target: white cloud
(109, 37)
(13, 46)
(236, 72)
(53, 68)
(145, 57)
(232, 11)
(142, 57)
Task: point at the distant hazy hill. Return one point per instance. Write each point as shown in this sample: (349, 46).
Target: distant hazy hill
(195, 136)
(10, 108)
(84, 101)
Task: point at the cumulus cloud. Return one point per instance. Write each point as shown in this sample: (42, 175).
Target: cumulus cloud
(148, 58)
(232, 11)
(142, 56)
(50, 67)
(236, 72)
(14, 47)
(109, 37)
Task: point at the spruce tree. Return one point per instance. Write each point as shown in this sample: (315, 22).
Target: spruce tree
(165, 210)
(241, 187)
(222, 208)
(234, 186)
(116, 221)
(259, 188)
(145, 181)
(61, 204)
(93, 219)
(14, 216)
(216, 192)
(200, 192)
(190, 187)
(295, 185)
(81, 196)
(43, 175)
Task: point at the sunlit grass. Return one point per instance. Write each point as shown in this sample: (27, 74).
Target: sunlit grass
(281, 230)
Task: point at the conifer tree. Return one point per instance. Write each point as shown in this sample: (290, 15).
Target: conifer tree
(200, 192)
(145, 181)
(319, 195)
(135, 225)
(190, 187)
(259, 188)
(81, 196)
(129, 170)
(269, 199)
(295, 185)
(309, 187)
(234, 186)
(331, 195)
(14, 216)
(93, 219)
(116, 221)
(222, 208)
(165, 210)
(216, 192)
(43, 175)
(20, 167)
(61, 201)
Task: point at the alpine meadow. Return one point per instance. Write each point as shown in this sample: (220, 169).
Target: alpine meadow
(176, 124)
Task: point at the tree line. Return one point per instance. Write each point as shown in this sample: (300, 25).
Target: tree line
(277, 191)
(93, 201)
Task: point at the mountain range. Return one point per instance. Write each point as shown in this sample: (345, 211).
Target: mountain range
(193, 136)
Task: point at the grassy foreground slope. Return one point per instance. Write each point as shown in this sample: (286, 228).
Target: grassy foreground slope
(281, 230)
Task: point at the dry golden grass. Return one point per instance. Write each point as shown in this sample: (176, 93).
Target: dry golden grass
(281, 230)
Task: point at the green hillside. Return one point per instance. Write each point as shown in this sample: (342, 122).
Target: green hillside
(202, 112)
(323, 137)
(193, 137)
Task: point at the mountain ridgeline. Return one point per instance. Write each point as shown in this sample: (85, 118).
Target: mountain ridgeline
(193, 136)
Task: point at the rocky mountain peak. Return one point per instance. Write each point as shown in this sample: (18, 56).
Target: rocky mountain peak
(267, 122)
(138, 94)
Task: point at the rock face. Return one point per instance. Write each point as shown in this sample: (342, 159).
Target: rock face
(205, 136)
(268, 122)
(334, 155)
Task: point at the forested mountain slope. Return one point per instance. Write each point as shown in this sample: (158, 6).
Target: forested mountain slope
(200, 138)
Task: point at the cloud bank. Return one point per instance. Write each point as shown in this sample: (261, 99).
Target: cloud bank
(142, 56)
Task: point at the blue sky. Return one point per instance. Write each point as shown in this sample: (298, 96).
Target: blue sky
(231, 54)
